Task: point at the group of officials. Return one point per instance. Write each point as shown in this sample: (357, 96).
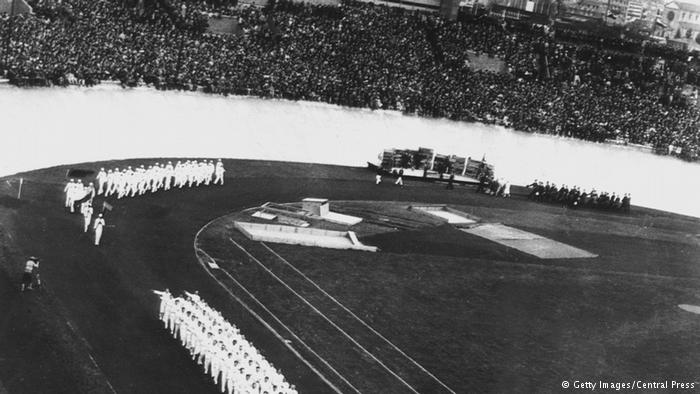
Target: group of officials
(219, 347)
(130, 182)
(574, 197)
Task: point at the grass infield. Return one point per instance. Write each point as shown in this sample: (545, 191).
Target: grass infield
(478, 315)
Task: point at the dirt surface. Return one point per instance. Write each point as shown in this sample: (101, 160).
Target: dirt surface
(480, 316)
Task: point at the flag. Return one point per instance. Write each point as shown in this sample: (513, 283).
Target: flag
(106, 206)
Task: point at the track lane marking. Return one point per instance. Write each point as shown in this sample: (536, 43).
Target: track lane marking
(266, 325)
(304, 300)
(359, 319)
(280, 337)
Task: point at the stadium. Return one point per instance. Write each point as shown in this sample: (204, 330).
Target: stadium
(205, 196)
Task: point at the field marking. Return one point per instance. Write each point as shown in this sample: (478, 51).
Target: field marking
(690, 308)
(265, 324)
(283, 283)
(326, 363)
(359, 319)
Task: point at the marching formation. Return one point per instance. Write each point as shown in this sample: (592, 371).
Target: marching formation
(130, 182)
(575, 197)
(219, 347)
(76, 191)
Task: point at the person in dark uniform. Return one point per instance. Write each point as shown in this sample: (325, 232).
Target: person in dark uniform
(28, 275)
(539, 190)
(450, 181)
(626, 200)
(532, 186)
(483, 181)
(617, 204)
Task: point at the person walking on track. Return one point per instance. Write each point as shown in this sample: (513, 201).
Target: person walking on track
(99, 227)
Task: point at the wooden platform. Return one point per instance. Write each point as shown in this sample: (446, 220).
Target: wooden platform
(431, 176)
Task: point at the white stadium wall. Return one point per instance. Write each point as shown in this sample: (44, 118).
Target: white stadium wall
(109, 123)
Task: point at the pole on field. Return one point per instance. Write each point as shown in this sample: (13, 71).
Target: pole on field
(19, 192)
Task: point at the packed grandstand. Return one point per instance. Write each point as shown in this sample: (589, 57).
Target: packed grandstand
(556, 80)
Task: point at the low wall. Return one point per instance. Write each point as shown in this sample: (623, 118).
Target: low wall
(302, 236)
(279, 228)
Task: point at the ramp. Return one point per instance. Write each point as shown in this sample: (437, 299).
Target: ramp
(527, 242)
(339, 218)
(452, 216)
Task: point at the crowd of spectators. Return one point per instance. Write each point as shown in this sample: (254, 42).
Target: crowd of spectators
(364, 55)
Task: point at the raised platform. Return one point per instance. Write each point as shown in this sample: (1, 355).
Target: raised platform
(302, 236)
(431, 176)
(526, 242)
(339, 218)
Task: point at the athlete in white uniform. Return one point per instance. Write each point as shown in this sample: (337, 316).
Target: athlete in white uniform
(86, 210)
(99, 227)
(68, 190)
(112, 181)
(90, 190)
(101, 181)
(219, 173)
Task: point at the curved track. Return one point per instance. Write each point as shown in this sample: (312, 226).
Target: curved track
(503, 320)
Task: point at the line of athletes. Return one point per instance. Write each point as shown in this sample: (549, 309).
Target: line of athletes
(233, 363)
(575, 197)
(130, 182)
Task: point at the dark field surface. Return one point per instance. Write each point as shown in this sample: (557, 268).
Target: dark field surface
(477, 315)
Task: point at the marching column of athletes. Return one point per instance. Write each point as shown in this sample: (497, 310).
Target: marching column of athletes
(234, 364)
(131, 182)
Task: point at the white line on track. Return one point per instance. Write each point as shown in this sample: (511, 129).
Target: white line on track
(359, 319)
(304, 300)
(264, 323)
(326, 363)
